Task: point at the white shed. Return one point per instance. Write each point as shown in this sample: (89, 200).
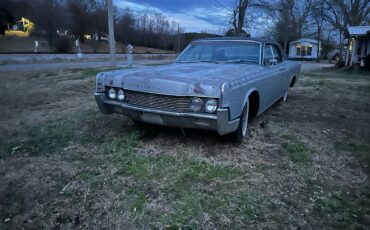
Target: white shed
(306, 48)
(358, 51)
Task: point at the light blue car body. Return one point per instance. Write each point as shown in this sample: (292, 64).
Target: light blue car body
(231, 84)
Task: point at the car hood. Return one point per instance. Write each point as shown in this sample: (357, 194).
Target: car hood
(182, 79)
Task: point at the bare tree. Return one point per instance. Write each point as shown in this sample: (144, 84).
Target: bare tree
(6, 19)
(318, 16)
(293, 19)
(284, 29)
(239, 13)
(50, 19)
(341, 14)
(99, 17)
(81, 18)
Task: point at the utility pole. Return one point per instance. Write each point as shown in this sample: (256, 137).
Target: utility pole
(112, 43)
(178, 38)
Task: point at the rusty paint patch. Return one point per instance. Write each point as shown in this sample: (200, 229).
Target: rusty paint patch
(198, 88)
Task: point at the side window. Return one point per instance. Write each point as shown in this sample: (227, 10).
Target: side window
(277, 53)
(267, 55)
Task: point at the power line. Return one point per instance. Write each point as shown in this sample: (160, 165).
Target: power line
(218, 5)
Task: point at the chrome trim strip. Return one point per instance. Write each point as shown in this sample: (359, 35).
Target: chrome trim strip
(142, 109)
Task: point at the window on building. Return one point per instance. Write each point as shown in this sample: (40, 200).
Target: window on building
(298, 50)
(309, 50)
(304, 50)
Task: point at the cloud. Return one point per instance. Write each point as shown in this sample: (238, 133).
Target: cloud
(193, 19)
(136, 7)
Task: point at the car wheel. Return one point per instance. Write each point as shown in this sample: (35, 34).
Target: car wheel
(242, 130)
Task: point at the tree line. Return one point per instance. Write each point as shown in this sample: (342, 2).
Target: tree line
(293, 19)
(89, 17)
(290, 20)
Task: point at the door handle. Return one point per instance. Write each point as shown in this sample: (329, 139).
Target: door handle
(282, 69)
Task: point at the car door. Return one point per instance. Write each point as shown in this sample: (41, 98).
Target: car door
(282, 70)
(271, 82)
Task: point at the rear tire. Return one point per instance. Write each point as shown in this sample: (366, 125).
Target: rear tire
(242, 130)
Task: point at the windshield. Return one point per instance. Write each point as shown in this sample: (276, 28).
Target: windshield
(222, 51)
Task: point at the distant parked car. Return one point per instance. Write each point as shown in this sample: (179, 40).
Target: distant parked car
(214, 84)
(334, 56)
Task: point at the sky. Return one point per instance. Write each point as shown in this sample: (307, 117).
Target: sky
(193, 15)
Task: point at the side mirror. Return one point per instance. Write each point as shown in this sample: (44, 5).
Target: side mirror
(272, 61)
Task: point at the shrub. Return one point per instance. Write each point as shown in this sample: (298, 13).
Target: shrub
(63, 45)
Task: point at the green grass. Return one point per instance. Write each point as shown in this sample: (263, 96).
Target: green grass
(340, 81)
(339, 73)
(39, 140)
(180, 187)
(297, 151)
(189, 186)
(360, 150)
(93, 71)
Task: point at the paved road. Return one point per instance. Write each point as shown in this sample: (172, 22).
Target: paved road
(59, 65)
(306, 66)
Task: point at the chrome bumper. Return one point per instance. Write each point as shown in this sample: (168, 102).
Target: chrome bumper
(219, 122)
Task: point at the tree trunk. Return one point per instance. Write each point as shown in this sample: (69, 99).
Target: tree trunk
(242, 8)
(340, 44)
(51, 36)
(318, 43)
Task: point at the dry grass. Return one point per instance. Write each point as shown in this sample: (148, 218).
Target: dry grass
(26, 44)
(64, 165)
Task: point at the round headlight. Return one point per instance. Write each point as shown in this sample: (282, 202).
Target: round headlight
(120, 95)
(112, 93)
(211, 105)
(196, 104)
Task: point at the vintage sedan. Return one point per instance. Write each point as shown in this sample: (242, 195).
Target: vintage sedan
(214, 84)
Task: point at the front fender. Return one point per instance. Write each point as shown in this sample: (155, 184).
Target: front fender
(249, 92)
(235, 96)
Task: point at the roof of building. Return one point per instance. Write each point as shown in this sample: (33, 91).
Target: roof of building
(358, 30)
(304, 40)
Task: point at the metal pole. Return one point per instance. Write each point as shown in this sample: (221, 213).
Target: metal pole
(178, 38)
(112, 44)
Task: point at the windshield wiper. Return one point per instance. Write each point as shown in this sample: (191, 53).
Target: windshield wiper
(240, 61)
(196, 61)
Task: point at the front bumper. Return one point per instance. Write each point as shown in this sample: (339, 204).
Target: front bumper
(219, 122)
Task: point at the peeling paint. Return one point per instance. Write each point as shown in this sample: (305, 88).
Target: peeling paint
(198, 88)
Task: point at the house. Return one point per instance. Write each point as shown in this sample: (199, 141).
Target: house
(22, 28)
(358, 51)
(305, 48)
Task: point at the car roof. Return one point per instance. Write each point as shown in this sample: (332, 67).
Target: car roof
(234, 39)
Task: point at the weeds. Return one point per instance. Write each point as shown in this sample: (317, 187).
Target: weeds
(91, 165)
(298, 152)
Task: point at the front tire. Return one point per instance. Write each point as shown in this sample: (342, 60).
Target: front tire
(242, 130)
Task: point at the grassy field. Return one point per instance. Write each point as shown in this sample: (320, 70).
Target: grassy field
(64, 165)
(27, 44)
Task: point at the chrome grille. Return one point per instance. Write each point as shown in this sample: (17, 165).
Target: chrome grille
(158, 101)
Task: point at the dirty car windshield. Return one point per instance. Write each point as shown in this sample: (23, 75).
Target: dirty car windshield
(222, 51)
